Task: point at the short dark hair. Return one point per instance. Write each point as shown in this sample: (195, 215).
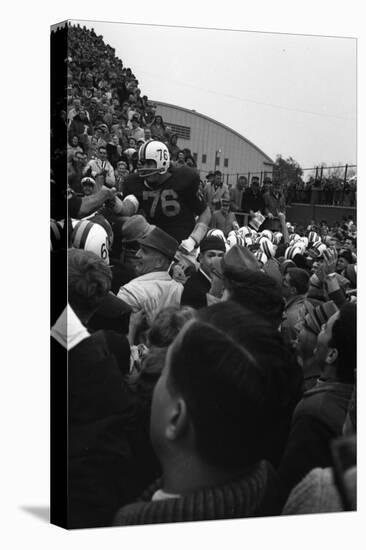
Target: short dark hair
(260, 293)
(167, 324)
(89, 280)
(346, 255)
(344, 339)
(299, 278)
(349, 238)
(233, 371)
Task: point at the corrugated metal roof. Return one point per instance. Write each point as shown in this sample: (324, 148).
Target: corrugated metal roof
(193, 112)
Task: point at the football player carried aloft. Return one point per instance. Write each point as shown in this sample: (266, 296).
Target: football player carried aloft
(168, 196)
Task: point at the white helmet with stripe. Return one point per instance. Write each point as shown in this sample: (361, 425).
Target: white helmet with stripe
(291, 252)
(234, 237)
(319, 247)
(91, 236)
(268, 234)
(261, 256)
(244, 231)
(267, 247)
(156, 151)
(313, 237)
(294, 237)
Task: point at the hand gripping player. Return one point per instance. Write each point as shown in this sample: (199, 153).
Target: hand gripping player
(169, 196)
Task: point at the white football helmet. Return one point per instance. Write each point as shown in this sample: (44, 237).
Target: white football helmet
(156, 151)
(90, 236)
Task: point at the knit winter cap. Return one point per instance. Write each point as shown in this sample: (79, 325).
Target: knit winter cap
(212, 243)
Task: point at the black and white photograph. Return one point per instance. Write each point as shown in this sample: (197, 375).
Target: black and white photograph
(184, 373)
(210, 252)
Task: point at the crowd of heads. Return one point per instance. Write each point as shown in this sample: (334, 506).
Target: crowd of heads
(107, 116)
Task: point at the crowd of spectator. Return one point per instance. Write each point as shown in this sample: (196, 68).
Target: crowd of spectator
(329, 190)
(207, 383)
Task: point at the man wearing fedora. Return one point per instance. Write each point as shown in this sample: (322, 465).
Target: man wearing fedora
(154, 288)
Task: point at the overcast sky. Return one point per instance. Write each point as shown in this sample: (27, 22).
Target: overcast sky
(292, 95)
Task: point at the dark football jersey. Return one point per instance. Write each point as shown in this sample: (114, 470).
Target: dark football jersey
(174, 204)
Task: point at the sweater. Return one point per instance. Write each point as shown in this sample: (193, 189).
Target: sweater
(256, 494)
(318, 418)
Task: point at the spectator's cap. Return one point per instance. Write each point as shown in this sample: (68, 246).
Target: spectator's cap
(212, 242)
(237, 260)
(135, 228)
(141, 140)
(210, 175)
(160, 240)
(217, 173)
(103, 127)
(318, 316)
(225, 202)
(88, 181)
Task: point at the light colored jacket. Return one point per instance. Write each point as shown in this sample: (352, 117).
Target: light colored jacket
(97, 166)
(151, 293)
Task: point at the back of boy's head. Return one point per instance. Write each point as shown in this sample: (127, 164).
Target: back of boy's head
(233, 372)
